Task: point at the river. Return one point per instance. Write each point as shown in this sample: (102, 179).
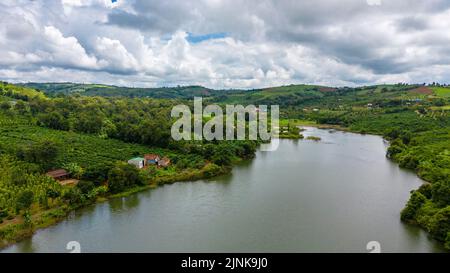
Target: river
(335, 195)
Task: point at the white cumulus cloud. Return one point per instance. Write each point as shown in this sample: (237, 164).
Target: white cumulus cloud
(238, 43)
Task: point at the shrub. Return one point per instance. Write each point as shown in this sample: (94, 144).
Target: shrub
(74, 169)
(25, 200)
(441, 193)
(85, 186)
(123, 176)
(439, 224)
(414, 204)
(73, 196)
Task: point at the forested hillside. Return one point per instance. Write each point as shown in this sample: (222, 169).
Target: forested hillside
(93, 129)
(92, 138)
(416, 121)
(183, 92)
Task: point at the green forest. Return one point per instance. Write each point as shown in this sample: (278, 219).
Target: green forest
(92, 138)
(91, 130)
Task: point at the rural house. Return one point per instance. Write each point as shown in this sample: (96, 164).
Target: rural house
(151, 159)
(63, 177)
(59, 174)
(139, 162)
(164, 162)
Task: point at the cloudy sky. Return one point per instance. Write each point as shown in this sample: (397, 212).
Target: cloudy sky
(225, 43)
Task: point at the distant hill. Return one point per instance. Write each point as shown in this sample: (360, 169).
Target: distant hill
(184, 92)
(282, 95)
(324, 96)
(301, 95)
(19, 92)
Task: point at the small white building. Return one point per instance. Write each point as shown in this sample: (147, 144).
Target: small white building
(138, 162)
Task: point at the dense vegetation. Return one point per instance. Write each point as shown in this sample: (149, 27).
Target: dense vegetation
(92, 130)
(92, 138)
(180, 92)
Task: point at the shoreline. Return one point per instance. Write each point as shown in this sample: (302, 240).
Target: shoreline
(50, 217)
(61, 213)
(424, 181)
(53, 216)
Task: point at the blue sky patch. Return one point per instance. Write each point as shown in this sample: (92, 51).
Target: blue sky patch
(192, 38)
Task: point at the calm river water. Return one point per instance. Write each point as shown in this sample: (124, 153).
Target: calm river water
(335, 195)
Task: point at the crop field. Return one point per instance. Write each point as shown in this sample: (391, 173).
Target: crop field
(441, 91)
(87, 151)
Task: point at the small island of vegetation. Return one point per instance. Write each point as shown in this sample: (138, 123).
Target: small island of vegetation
(314, 138)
